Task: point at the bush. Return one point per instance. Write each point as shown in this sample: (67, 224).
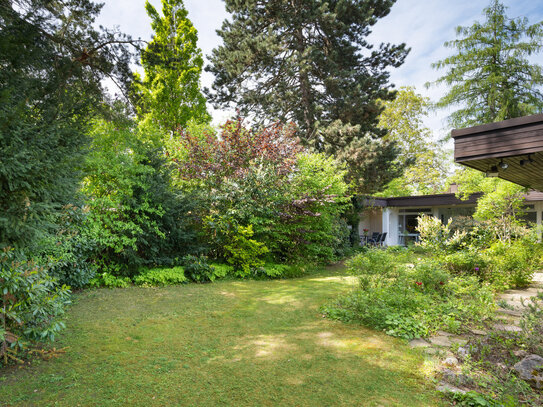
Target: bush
(411, 300)
(110, 281)
(466, 262)
(244, 253)
(161, 277)
(532, 324)
(512, 264)
(32, 304)
(198, 270)
(67, 253)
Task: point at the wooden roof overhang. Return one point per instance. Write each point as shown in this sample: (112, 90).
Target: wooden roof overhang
(423, 201)
(515, 143)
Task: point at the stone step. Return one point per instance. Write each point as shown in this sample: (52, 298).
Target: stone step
(514, 313)
(507, 328)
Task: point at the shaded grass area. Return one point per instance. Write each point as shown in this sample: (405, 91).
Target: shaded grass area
(231, 343)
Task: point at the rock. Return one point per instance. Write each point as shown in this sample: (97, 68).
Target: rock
(520, 353)
(449, 375)
(531, 369)
(478, 332)
(463, 352)
(441, 341)
(451, 361)
(458, 379)
(418, 343)
(444, 387)
(507, 328)
(510, 312)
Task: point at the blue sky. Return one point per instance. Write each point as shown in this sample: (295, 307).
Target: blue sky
(424, 25)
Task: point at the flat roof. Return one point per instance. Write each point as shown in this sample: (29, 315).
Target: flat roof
(436, 200)
(513, 149)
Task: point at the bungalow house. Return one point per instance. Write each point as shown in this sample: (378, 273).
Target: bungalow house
(510, 149)
(398, 216)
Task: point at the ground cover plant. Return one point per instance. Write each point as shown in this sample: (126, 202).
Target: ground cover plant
(488, 363)
(230, 343)
(409, 295)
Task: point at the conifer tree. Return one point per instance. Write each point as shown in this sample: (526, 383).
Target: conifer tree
(309, 61)
(490, 78)
(169, 94)
(53, 62)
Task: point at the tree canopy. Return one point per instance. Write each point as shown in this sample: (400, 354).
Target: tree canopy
(53, 62)
(169, 93)
(491, 78)
(310, 62)
(426, 161)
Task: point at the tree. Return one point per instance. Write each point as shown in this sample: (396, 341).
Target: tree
(491, 78)
(262, 178)
(134, 216)
(53, 62)
(309, 62)
(169, 94)
(501, 204)
(426, 161)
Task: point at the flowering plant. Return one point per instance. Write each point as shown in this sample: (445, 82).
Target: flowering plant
(365, 231)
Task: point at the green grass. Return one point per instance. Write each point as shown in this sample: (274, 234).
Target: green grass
(230, 343)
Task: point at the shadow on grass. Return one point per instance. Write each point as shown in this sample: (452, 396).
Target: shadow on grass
(231, 343)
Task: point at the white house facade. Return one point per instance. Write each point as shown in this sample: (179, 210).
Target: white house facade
(397, 217)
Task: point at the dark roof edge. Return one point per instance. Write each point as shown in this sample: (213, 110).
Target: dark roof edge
(518, 121)
(434, 200)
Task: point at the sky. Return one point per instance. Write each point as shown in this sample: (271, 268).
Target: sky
(424, 25)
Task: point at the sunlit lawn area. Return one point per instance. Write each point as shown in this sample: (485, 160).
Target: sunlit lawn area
(230, 343)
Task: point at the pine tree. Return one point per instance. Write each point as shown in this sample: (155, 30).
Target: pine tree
(169, 94)
(308, 61)
(491, 78)
(53, 63)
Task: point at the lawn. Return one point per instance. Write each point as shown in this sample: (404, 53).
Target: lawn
(230, 343)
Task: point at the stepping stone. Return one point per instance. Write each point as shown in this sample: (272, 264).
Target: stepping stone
(418, 343)
(447, 341)
(445, 387)
(507, 328)
(478, 332)
(513, 313)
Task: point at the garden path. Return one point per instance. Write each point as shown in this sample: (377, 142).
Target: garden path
(511, 305)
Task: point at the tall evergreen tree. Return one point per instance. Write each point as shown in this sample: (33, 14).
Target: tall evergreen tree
(169, 94)
(53, 62)
(309, 61)
(491, 78)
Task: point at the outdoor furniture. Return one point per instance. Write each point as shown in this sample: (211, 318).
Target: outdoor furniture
(375, 237)
(382, 239)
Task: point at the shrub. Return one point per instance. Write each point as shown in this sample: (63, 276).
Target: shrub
(110, 281)
(275, 270)
(532, 324)
(512, 264)
(467, 262)
(411, 300)
(198, 270)
(244, 253)
(32, 304)
(161, 277)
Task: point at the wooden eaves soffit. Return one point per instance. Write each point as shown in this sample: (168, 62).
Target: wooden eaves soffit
(511, 149)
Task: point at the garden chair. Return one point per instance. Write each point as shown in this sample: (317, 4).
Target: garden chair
(382, 239)
(375, 237)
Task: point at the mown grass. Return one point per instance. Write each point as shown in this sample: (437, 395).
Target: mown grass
(230, 343)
